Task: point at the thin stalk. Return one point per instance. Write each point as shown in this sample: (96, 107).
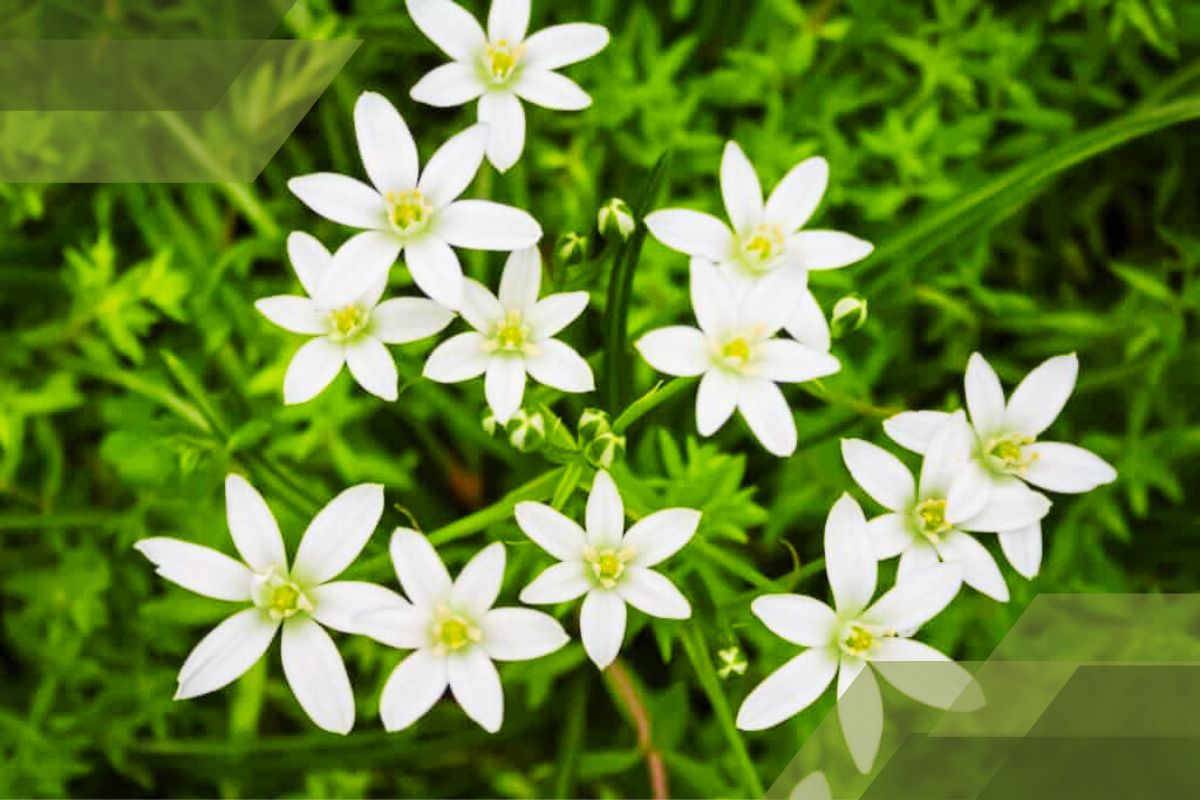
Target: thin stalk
(650, 401)
(623, 686)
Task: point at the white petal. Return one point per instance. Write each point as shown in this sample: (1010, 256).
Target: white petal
(341, 604)
(558, 366)
(479, 307)
(359, 267)
(198, 569)
(979, 568)
(771, 300)
(294, 314)
(1038, 399)
(459, 358)
(550, 90)
(788, 690)
(373, 367)
(675, 350)
(521, 280)
(969, 492)
(309, 258)
(692, 232)
(818, 250)
(602, 626)
(557, 584)
(312, 368)
(1067, 468)
(419, 568)
(435, 269)
(767, 413)
(389, 154)
(658, 536)
(551, 530)
(605, 512)
(398, 624)
(926, 675)
(653, 594)
(341, 199)
(504, 386)
(914, 601)
(338, 533)
(740, 188)
(985, 396)
(786, 361)
(716, 400)
(889, 534)
(478, 584)
(559, 45)
(860, 712)
(450, 27)
(914, 430)
(849, 562)
(808, 324)
(449, 85)
(475, 684)
(412, 689)
(225, 653)
(504, 116)
(317, 675)
(880, 474)
(814, 786)
(509, 20)
(712, 299)
(484, 225)
(520, 634)
(946, 456)
(252, 526)
(551, 314)
(1010, 505)
(797, 196)
(1023, 549)
(798, 619)
(452, 168)
(409, 319)
(916, 560)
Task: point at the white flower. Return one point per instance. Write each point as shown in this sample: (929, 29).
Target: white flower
(513, 336)
(1006, 442)
(735, 350)
(608, 564)
(501, 66)
(423, 217)
(765, 236)
(300, 599)
(351, 332)
(859, 633)
(928, 521)
(455, 633)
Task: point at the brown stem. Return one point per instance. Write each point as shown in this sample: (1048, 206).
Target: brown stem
(621, 681)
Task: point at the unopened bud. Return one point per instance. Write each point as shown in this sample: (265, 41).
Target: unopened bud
(489, 423)
(603, 450)
(527, 430)
(572, 249)
(592, 423)
(732, 662)
(616, 219)
(849, 314)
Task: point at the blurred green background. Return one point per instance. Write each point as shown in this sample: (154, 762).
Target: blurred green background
(1027, 171)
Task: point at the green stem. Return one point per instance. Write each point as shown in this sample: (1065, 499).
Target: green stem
(572, 739)
(650, 401)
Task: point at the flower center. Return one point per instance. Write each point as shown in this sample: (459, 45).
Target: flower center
(736, 352)
(858, 640)
(608, 564)
(931, 519)
(512, 333)
(280, 596)
(348, 323)
(763, 246)
(1007, 454)
(501, 59)
(451, 632)
(407, 211)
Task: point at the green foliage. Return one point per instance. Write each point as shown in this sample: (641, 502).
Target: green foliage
(1021, 167)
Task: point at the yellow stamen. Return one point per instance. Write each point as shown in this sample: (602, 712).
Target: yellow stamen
(931, 518)
(858, 641)
(407, 211)
(1007, 454)
(608, 564)
(501, 59)
(763, 245)
(451, 632)
(512, 334)
(348, 322)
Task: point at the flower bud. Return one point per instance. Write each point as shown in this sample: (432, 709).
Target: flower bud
(489, 423)
(572, 249)
(592, 423)
(732, 662)
(616, 219)
(603, 450)
(527, 430)
(849, 314)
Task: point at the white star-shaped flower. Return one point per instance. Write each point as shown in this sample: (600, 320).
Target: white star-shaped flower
(929, 520)
(857, 638)
(300, 599)
(608, 564)
(735, 350)
(513, 336)
(352, 332)
(454, 632)
(763, 237)
(502, 67)
(421, 216)
(1006, 442)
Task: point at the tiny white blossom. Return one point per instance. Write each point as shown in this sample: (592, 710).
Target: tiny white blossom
(502, 67)
(421, 216)
(764, 237)
(455, 634)
(736, 351)
(353, 332)
(301, 599)
(513, 336)
(856, 639)
(929, 520)
(1006, 444)
(607, 564)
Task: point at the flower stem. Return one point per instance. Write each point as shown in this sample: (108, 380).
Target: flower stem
(621, 681)
(650, 401)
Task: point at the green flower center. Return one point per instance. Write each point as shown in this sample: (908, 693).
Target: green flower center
(501, 59)
(348, 323)
(607, 564)
(452, 632)
(512, 333)
(280, 596)
(408, 212)
(736, 352)
(1007, 454)
(763, 245)
(858, 640)
(931, 519)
